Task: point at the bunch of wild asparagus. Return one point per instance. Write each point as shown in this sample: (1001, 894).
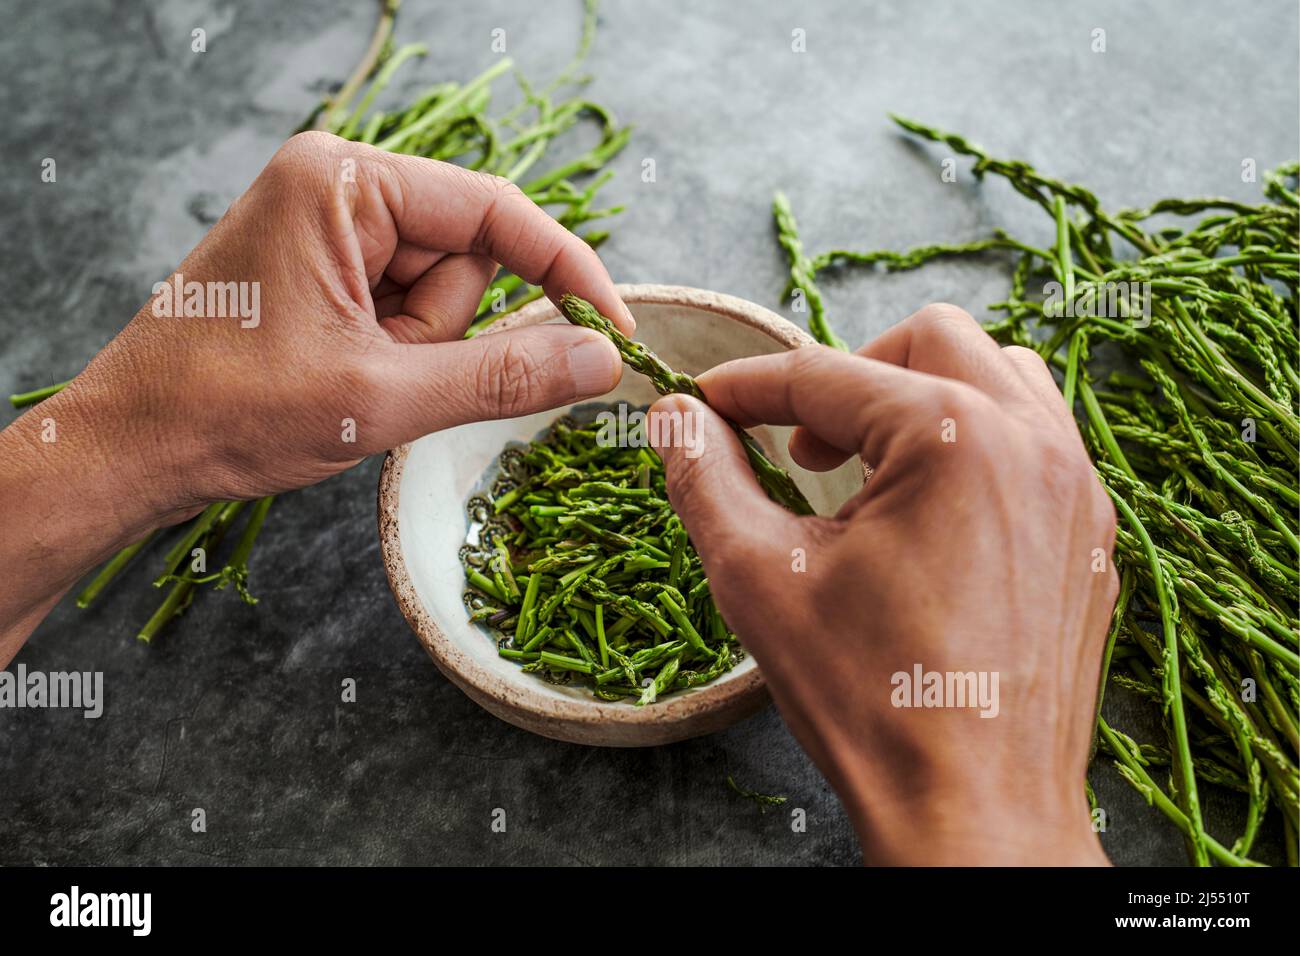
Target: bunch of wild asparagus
(1189, 408)
(449, 122)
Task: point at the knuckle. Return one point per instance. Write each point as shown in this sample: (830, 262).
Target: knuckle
(964, 405)
(505, 189)
(941, 317)
(307, 146)
(805, 366)
(966, 430)
(498, 189)
(304, 162)
(502, 194)
(804, 361)
(970, 402)
(1020, 354)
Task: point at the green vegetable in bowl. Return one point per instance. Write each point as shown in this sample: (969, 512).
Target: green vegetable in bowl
(579, 564)
(582, 566)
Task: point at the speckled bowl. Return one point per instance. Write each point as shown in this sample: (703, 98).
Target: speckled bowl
(424, 486)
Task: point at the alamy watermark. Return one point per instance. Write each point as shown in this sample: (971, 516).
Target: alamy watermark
(175, 298)
(638, 429)
(1104, 300)
(76, 908)
(946, 689)
(76, 690)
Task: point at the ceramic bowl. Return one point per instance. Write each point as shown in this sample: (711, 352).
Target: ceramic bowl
(424, 487)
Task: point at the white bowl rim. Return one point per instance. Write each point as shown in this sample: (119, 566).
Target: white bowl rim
(708, 708)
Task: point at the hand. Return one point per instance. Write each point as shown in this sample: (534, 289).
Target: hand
(370, 266)
(973, 548)
(360, 273)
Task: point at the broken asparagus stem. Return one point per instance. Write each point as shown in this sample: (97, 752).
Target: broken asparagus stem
(765, 801)
(182, 591)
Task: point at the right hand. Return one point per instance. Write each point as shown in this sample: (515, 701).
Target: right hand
(972, 548)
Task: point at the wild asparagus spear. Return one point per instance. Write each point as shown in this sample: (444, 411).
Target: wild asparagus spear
(111, 570)
(23, 399)
(778, 484)
(803, 272)
(182, 592)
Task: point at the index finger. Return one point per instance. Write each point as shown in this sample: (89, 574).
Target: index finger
(854, 404)
(946, 340)
(942, 340)
(441, 206)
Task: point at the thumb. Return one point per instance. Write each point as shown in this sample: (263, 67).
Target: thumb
(710, 483)
(429, 387)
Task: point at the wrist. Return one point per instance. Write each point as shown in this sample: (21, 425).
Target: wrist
(955, 824)
(58, 476)
(77, 480)
(117, 412)
(955, 840)
(83, 477)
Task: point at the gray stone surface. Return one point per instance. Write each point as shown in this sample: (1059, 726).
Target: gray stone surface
(236, 709)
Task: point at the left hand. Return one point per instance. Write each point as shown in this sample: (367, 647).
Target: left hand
(369, 266)
(360, 271)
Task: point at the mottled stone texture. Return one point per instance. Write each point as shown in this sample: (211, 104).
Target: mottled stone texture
(237, 709)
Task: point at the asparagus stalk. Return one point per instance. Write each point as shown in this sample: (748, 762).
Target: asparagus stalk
(182, 592)
(23, 399)
(802, 273)
(778, 484)
(111, 570)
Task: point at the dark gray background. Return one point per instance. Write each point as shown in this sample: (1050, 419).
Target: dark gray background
(236, 709)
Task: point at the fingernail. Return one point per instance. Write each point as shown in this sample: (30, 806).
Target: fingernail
(593, 365)
(627, 314)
